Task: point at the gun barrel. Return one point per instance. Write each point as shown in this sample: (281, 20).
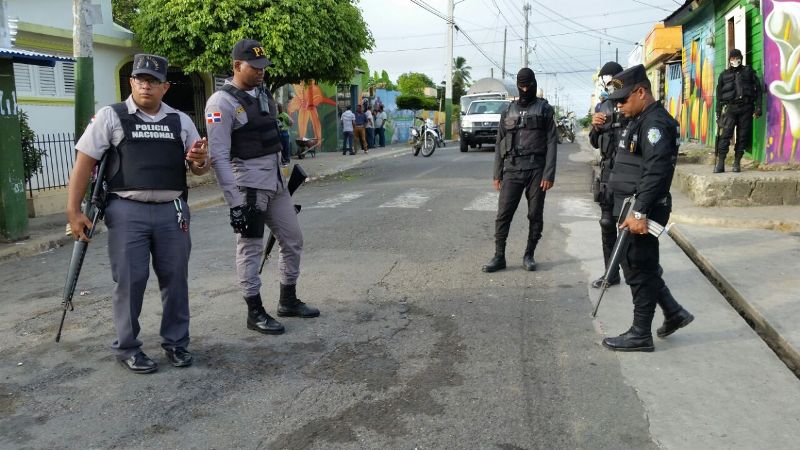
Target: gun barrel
(616, 256)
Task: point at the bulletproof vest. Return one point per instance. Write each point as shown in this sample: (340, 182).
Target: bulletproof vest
(611, 130)
(627, 169)
(260, 135)
(528, 129)
(151, 155)
(738, 84)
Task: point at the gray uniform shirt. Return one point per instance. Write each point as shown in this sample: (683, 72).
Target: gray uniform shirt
(223, 115)
(105, 132)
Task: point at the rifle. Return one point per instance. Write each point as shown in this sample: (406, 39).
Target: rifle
(297, 178)
(723, 116)
(94, 208)
(621, 245)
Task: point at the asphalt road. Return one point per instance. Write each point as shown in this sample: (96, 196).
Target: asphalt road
(415, 348)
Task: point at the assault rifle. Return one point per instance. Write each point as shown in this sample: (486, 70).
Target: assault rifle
(297, 178)
(621, 245)
(95, 209)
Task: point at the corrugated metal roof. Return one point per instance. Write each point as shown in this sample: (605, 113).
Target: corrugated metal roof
(34, 58)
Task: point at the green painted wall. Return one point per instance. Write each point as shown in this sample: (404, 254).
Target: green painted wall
(755, 57)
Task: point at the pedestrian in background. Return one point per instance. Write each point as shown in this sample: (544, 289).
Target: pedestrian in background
(738, 102)
(146, 213)
(360, 128)
(348, 123)
(524, 162)
(370, 127)
(644, 164)
(285, 123)
(245, 153)
(380, 126)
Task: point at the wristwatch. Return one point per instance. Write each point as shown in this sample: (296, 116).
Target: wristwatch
(639, 216)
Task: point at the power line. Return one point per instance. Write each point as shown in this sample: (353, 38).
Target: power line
(622, 40)
(652, 6)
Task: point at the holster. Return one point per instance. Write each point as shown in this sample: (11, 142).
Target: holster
(255, 217)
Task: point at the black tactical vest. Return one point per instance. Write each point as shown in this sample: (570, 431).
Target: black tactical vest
(151, 155)
(738, 84)
(627, 169)
(260, 135)
(528, 129)
(611, 131)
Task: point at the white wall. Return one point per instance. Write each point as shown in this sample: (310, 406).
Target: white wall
(58, 14)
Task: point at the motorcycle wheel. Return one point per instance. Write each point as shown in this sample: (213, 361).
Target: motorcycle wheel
(571, 137)
(428, 147)
(415, 150)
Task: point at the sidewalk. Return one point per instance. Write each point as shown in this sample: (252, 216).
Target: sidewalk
(751, 254)
(48, 232)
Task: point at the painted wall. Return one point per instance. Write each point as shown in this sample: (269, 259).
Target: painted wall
(754, 56)
(313, 110)
(697, 114)
(673, 90)
(782, 78)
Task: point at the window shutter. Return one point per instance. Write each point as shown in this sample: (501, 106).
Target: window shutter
(47, 81)
(68, 70)
(22, 78)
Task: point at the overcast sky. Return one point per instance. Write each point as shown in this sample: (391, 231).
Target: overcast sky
(408, 38)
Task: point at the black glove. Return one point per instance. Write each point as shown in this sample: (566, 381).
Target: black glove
(239, 218)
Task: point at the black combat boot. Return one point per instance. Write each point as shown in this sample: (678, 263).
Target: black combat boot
(291, 306)
(528, 263)
(498, 262)
(672, 323)
(634, 340)
(258, 319)
(737, 162)
(720, 167)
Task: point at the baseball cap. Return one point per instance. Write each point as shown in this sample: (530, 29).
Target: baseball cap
(251, 51)
(153, 65)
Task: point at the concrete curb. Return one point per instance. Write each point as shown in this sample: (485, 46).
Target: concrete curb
(782, 348)
(784, 226)
(370, 157)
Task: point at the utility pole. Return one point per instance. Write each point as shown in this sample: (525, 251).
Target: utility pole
(616, 56)
(448, 104)
(13, 206)
(505, 41)
(84, 16)
(526, 9)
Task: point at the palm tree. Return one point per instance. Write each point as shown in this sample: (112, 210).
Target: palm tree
(461, 71)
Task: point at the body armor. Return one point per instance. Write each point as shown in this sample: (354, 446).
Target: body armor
(260, 135)
(527, 130)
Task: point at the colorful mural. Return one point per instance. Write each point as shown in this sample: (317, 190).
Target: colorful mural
(697, 116)
(312, 105)
(673, 90)
(782, 76)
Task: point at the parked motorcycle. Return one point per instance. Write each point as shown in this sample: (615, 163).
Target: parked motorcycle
(564, 130)
(423, 138)
(436, 132)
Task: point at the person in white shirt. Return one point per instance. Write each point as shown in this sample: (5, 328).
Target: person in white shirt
(348, 119)
(380, 126)
(370, 129)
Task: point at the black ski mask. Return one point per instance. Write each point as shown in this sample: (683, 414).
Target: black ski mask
(525, 77)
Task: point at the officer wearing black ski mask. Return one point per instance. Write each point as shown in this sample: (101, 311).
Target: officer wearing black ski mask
(525, 162)
(607, 126)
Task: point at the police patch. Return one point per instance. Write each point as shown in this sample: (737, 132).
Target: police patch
(239, 110)
(654, 135)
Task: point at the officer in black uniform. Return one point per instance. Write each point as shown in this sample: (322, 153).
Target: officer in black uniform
(644, 164)
(525, 161)
(607, 126)
(150, 147)
(738, 102)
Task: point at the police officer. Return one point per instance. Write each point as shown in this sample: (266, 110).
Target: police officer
(738, 102)
(607, 126)
(243, 135)
(150, 146)
(525, 161)
(644, 164)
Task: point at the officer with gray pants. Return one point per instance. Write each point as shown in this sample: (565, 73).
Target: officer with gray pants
(149, 144)
(244, 139)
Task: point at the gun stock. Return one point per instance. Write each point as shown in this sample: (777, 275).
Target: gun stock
(296, 179)
(94, 209)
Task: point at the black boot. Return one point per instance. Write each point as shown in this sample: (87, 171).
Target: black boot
(720, 167)
(737, 162)
(527, 258)
(291, 306)
(498, 262)
(634, 340)
(258, 319)
(672, 323)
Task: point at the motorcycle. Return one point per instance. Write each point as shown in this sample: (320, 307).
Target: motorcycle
(564, 130)
(423, 138)
(439, 138)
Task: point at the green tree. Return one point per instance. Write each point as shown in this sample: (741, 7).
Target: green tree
(461, 72)
(387, 82)
(304, 39)
(124, 11)
(31, 156)
(414, 83)
(416, 102)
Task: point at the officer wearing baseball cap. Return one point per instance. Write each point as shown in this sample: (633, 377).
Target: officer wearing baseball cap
(150, 146)
(644, 164)
(245, 144)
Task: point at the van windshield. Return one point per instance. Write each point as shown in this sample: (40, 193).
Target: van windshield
(487, 107)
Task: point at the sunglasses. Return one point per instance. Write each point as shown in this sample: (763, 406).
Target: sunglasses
(622, 101)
